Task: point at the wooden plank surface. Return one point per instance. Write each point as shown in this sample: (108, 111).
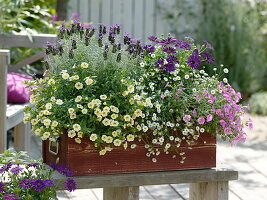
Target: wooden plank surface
(152, 178)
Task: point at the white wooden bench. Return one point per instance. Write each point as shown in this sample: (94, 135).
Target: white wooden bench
(205, 184)
(11, 115)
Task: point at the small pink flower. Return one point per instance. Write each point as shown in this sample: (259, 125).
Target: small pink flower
(227, 131)
(194, 112)
(187, 118)
(201, 120)
(250, 124)
(222, 123)
(162, 96)
(167, 84)
(209, 117)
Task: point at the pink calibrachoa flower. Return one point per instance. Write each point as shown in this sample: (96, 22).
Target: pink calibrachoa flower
(227, 131)
(162, 96)
(209, 117)
(201, 120)
(250, 124)
(194, 112)
(223, 123)
(187, 118)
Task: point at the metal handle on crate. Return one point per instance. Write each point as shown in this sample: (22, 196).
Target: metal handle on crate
(54, 144)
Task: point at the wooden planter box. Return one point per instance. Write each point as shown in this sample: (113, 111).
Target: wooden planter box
(84, 159)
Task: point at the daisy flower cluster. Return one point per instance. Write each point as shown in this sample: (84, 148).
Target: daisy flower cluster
(120, 93)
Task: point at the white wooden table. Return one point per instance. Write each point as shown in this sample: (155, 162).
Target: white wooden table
(206, 184)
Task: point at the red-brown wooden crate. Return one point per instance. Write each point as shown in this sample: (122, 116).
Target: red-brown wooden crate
(84, 159)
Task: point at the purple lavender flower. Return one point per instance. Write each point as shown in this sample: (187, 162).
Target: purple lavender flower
(54, 18)
(26, 183)
(16, 170)
(10, 196)
(169, 50)
(207, 45)
(75, 16)
(194, 61)
(2, 187)
(38, 185)
(49, 182)
(208, 57)
(70, 184)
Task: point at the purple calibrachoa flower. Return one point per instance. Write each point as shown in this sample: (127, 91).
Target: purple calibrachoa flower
(38, 185)
(187, 118)
(70, 184)
(250, 124)
(201, 120)
(10, 196)
(16, 170)
(194, 61)
(2, 187)
(208, 58)
(194, 112)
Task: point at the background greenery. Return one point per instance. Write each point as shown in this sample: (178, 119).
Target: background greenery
(30, 17)
(236, 29)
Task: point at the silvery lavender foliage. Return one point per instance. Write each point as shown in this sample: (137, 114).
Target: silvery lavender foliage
(95, 45)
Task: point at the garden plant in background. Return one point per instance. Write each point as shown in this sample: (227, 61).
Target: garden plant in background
(26, 179)
(238, 40)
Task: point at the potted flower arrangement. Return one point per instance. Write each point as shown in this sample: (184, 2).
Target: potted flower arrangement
(26, 179)
(109, 104)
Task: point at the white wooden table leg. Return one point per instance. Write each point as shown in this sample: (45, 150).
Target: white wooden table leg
(209, 191)
(121, 193)
(22, 137)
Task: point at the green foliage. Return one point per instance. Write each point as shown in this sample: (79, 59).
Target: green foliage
(258, 103)
(26, 16)
(15, 157)
(232, 28)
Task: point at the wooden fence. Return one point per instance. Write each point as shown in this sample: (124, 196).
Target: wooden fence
(138, 17)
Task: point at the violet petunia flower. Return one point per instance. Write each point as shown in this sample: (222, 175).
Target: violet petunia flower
(194, 61)
(70, 184)
(10, 196)
(38, 185)
(169, 50)
(26, 183)
(2, 187)
(208, 58)
(16, 170)
(207, 45)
